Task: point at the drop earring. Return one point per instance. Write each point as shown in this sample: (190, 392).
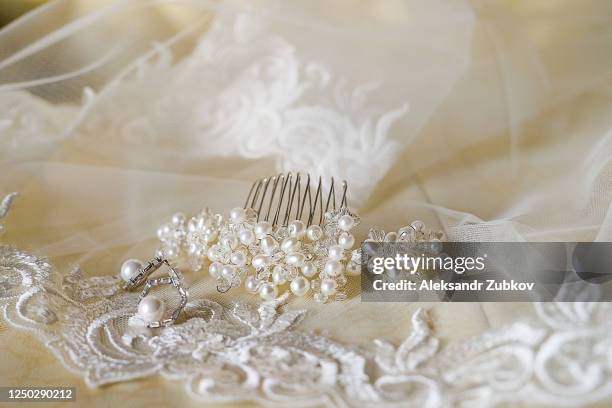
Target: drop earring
(151, 309)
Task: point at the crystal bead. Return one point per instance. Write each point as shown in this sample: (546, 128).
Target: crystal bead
(236, 281)
(292, 273)
(263, 274)
(223, 285)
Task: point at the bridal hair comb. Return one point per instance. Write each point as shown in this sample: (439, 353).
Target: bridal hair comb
(151, 310)
(289, 234)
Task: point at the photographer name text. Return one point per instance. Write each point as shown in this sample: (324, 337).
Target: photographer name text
(435, 285)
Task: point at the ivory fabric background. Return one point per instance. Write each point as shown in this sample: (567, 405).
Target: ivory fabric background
(497, 115)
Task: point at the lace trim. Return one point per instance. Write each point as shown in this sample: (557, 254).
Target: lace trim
(246, 353)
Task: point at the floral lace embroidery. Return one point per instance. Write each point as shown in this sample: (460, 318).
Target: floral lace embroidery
(246, 91)
(259, 354)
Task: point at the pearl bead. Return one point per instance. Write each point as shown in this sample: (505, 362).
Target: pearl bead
(346, 222)
(296, 229)
(269, 245)
(328, 287)
(346, 240)
(237, 215)
(238, 258)
(309, 270)
(209, 235)
(251, 284)
(262, 229)
(164, 231)
(227, 271)
(290, 245)
(215, 270)
(333, 268)
(191, 225)
(353, 269)
(314, 232)
(391, 237)
(193, 248)
(178, 219)
(278, 275)
(230, 242)
(171, 252)
(296, 259)
(151, 309)
(268, 291)
(130, 268)
(259, 261)
(335, 252)
(247, 237)
(211, 254)
(300, 286)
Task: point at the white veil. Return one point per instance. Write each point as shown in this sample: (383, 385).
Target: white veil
(131, 110)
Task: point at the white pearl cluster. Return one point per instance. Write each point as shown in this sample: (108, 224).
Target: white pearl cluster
(297, 258)
(230, 258)
(267, 259)
(194, 237)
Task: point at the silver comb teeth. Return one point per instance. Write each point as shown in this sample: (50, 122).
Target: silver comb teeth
(288, 197)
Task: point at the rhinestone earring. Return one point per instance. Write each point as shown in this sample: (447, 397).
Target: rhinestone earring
(151, 309)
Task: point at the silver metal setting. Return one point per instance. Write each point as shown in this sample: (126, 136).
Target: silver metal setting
(288, 197)
(153, 265)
